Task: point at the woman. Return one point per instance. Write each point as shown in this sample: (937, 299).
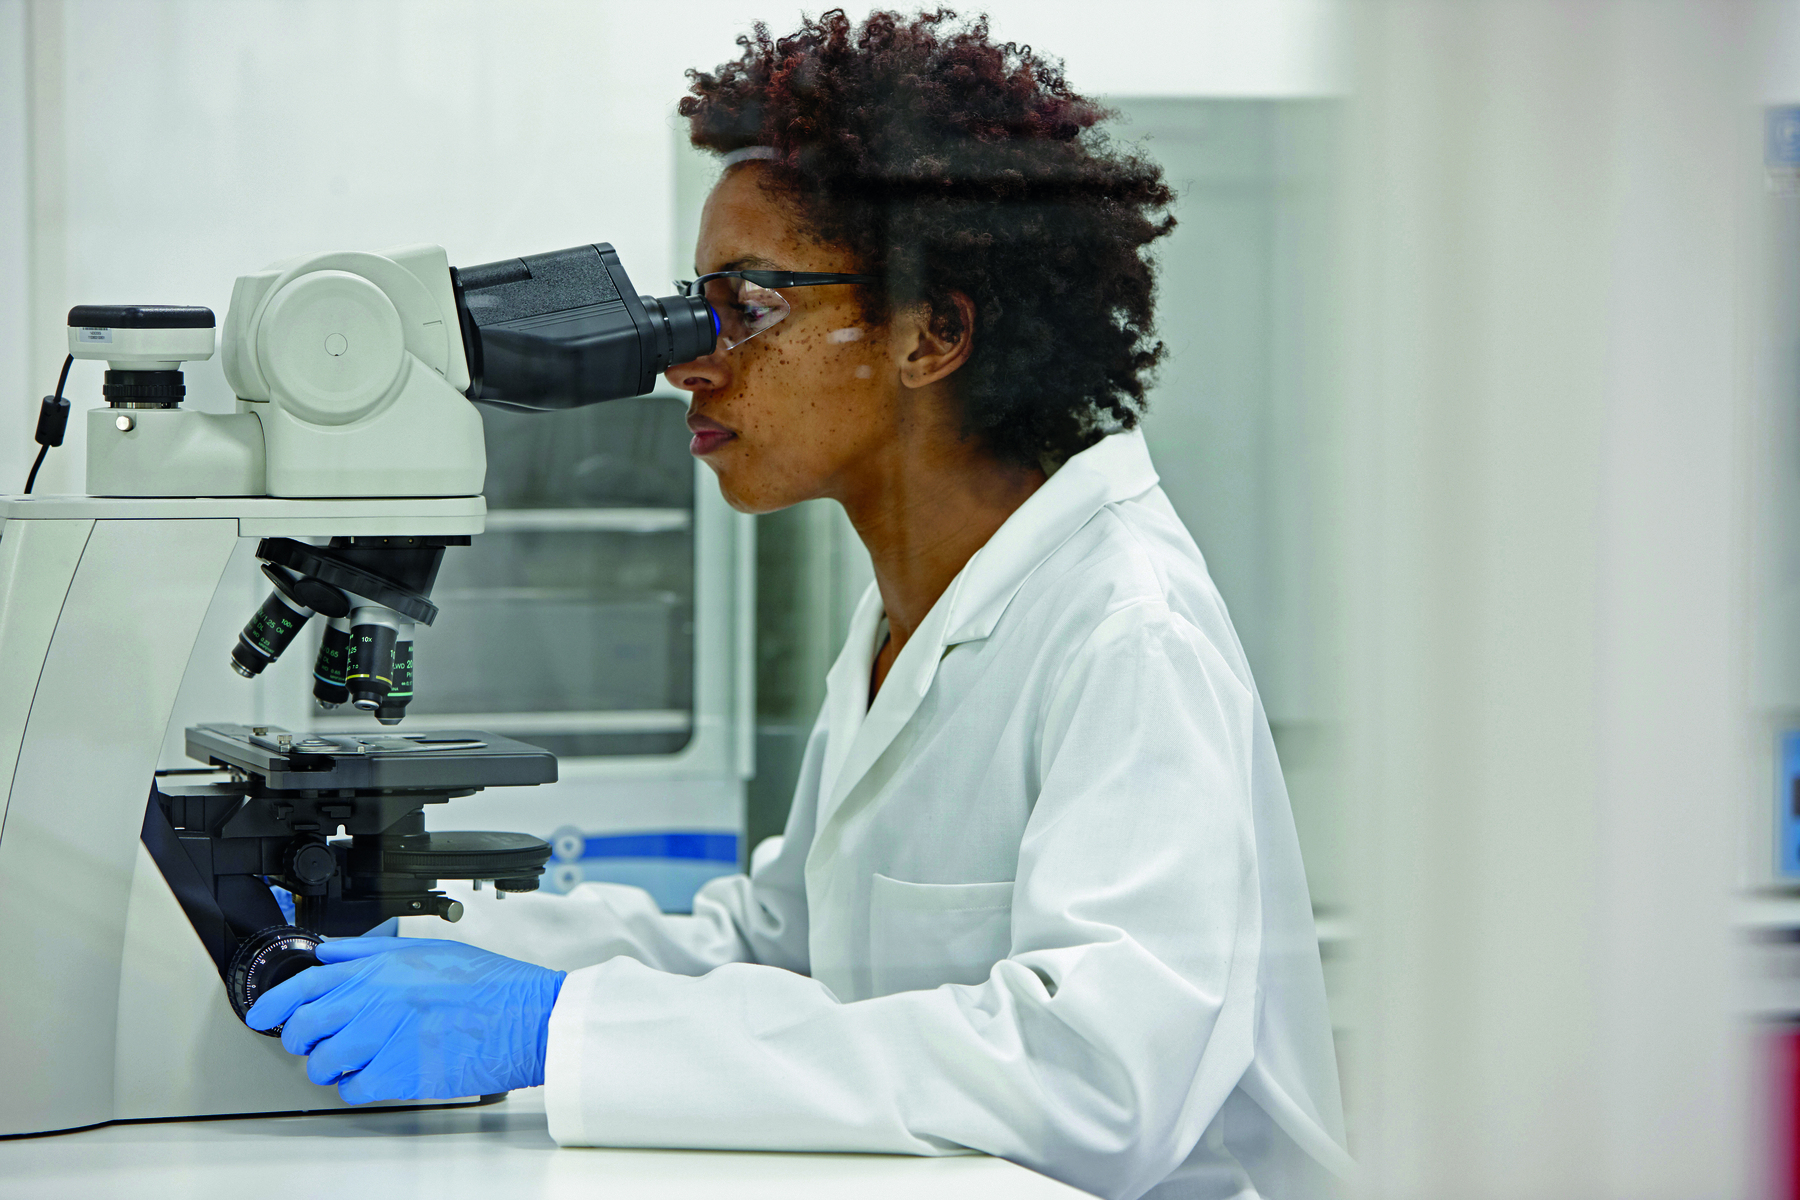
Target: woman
(1040, 893)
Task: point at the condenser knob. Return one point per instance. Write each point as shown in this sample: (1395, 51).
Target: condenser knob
(312, 864)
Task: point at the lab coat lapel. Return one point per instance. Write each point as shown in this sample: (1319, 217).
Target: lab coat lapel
(847, 690)
(1115, 469)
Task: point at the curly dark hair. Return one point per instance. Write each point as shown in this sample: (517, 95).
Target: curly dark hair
(948, 163)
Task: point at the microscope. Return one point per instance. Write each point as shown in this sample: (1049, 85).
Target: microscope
(140, 911)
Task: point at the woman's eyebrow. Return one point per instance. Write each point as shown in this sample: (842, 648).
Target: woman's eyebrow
(749, 263)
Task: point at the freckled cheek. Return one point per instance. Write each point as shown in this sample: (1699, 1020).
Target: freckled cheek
(842, 360)
(799, 400)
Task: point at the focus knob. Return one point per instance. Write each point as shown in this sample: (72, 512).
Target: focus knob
(271, 956)
(312, 863)
(331, 346)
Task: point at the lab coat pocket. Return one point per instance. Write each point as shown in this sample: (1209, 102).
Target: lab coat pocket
(925, 934)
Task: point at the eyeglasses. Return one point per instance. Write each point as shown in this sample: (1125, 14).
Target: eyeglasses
(746, 302)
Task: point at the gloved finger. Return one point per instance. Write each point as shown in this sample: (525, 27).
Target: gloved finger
(277, 1004)
(330, 1014)
(349, 1049)
(387, 1077)
(315, 1021)
(339, 950)
(369, 1085)
(351, 1091)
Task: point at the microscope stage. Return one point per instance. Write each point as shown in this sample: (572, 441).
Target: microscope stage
(426, 761)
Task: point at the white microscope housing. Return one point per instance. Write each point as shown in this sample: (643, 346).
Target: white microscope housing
(354, 443)
(350, 375)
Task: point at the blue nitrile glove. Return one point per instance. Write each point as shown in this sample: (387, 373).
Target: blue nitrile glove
(284, 900)
(392, 1018)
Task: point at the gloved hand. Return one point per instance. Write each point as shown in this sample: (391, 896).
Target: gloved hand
(391, 1018)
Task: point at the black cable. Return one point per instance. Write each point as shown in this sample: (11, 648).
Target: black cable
(50, 429)
(32, 478)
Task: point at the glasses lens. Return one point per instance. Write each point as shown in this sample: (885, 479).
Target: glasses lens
(744, 309)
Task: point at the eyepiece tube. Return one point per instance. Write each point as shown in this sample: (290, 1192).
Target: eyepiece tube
(567, 329)
(692, 327)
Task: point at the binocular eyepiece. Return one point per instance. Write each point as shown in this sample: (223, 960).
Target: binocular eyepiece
(561, 330)
(366, 651)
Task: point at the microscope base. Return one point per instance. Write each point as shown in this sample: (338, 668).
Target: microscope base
(101, 602)
(181, 1051)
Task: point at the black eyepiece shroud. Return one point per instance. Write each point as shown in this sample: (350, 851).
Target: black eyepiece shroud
(566, 329)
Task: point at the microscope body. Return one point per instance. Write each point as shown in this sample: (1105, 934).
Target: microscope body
(354, 445)
(111, 1007)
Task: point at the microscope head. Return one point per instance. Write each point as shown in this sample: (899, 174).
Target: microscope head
(354, 374)
(317, 347)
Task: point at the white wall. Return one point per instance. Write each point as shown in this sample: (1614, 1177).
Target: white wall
(1777, 41)
(173, 145)
(18, 401)
(201, 139)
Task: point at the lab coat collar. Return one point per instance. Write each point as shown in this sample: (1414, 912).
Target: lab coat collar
(1117, 468)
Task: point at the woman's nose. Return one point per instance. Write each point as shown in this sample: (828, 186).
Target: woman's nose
(702, 374)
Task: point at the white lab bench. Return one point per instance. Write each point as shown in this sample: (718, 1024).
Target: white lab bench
(496, 1150)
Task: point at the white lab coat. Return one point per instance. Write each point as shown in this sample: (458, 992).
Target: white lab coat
(1043, 899)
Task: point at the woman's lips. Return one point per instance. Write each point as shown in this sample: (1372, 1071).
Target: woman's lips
(708, 435)
(707, 440)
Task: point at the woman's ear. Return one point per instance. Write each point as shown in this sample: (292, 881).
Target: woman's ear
(935, 347)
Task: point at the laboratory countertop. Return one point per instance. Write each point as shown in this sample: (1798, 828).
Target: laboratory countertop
(501, 1151)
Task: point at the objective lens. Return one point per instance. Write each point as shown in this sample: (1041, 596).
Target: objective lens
(400, 693)
(373, 633)
(332, 663)
(270, 630)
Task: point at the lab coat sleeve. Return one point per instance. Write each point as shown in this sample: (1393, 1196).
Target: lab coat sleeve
(757, 918)
(1097, 1052)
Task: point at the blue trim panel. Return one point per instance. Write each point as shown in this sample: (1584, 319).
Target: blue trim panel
(709, 847)
(1787, 809)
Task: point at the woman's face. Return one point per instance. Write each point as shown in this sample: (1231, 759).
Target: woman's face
(790, 414)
